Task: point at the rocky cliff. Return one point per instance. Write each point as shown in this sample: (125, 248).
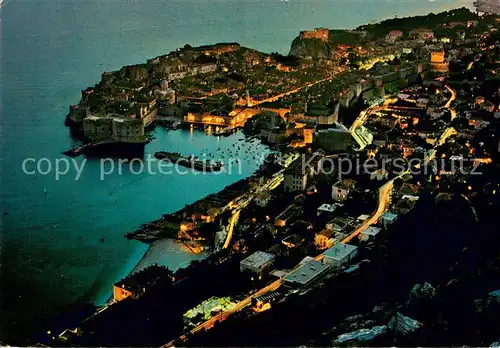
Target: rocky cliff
(315, 48)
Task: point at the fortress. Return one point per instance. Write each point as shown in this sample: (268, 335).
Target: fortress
(318, 33)
(438, 62)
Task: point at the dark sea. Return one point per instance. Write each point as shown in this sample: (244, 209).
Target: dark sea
(51, 228)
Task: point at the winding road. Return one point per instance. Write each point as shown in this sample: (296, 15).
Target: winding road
(384, 201)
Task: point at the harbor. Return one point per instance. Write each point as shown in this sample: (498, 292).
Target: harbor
(52, 250)
(190, 161)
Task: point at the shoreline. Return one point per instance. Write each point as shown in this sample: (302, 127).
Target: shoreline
(160, 243)
(150, 257)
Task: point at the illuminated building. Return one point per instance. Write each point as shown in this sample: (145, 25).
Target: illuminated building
(206, 310)
(308, 133)
(263, 302)
(120, 293)
(324, 239)
(438, 62)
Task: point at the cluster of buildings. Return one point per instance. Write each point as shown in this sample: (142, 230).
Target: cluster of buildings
(308, 270)
(117, 127)
(410, 125)
(181, 70)
(136, 284)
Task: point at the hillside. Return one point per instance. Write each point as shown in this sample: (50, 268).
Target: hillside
(430, 21)
(308, 46)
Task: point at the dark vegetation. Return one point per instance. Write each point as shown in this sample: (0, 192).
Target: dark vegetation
(431, 21)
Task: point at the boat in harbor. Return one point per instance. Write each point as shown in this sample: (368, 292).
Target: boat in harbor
(109, 148)
(190, 162)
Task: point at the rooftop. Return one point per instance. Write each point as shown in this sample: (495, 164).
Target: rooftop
(268, 296)
(328, 207)
(293, 239)
(306, 273)
(372, 231)
(341, 222)
(340, 251)
(390, 216)
(258, 259)
(363, 217)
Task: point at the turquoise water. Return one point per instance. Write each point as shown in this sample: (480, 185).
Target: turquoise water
(51, 253)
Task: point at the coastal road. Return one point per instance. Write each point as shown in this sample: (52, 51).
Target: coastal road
(469, 66)
(451, 100)
(383, 206)
(384, 194)
(270, 185)
(232, 223)
(384, 201)
(207, 325)
(361, 119)
(245, 199)
(446, 134)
